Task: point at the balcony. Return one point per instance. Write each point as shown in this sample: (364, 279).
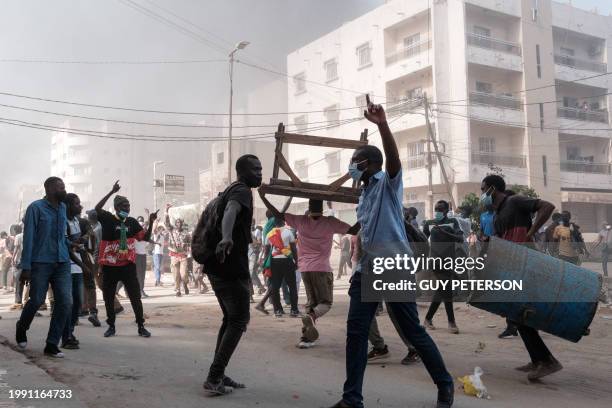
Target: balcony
(576, 166)
(495, 159)
(600, 116)
(495, 44)
(408, 52)
(577, 63)
(419, 161)
(498, 101)
(403, 107)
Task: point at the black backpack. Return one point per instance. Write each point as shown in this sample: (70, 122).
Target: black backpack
(207, 233)
(417, 239)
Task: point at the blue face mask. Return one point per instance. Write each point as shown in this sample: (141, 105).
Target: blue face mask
(486, 199)
(123, 214)
(439, 216)
(354, 171)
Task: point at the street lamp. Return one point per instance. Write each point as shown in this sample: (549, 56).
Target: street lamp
(240, 46)
(155, 185)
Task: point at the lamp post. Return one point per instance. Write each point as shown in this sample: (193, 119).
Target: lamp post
(240, 46)
(155, 163)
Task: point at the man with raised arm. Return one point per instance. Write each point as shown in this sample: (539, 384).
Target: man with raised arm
(117, 255)
(382, 225)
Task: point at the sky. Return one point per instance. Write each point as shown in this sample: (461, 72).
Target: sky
(112, 30)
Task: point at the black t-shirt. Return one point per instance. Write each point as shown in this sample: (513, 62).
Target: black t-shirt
(109, 253)
(236, 265)
(513, 217)
(442, 242)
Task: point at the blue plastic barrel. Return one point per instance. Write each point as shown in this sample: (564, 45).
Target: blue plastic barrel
(557, 297)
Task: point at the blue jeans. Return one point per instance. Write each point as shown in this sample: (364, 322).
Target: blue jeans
(77, 302)
(157, 266)
(58, 275)
(357, 326)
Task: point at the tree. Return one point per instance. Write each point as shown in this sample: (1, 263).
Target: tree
(524, 190)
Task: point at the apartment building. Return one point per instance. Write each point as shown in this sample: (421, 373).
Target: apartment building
(90, 165)
(515, 86)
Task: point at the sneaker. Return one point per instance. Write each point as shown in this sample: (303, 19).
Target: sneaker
(93, 319)
(178, 293)
(378, 354)
(21, 337)
(310, 331)
(261, 308)
(305, 343)
(508, 333)
(342, 404)
(144, 295)
(228, 382)
(428, 324)
(16, 306)
(452, 328)
(70, 345)
(295, 314)
(446, 396)
(214, 389)
(120, 310)
(525, 368)
(411, 358)
(110, 331)
(186, 290)
(544, 369)
(142, 332)
(51, 350)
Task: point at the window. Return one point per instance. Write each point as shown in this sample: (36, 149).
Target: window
(484, 87)
(416, 155)
(301, 168)
(82, 171)
(573, 153)
(538, 62)
(570, 102)
(331, 70)
(300, 123)
(567, 51)
(482, 31)
(411, 44)
(332, 115)
(541, 117)
(299, 82)
(487, 145)
(333, 163)
(360, 101)
(415, 93)
(220, 158)
(364, 55)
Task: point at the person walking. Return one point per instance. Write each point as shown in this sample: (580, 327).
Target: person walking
(179, 240)
(382, 224)
(159, 244)
(45, 261)
(118, 257)
(228, 271)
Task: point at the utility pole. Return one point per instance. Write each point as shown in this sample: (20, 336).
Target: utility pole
(240, 46)
(431, 138)
(155, 187)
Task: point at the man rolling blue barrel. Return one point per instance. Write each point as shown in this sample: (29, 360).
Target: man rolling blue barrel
(513, 222)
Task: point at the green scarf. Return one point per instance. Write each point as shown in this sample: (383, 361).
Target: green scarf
(123, 245)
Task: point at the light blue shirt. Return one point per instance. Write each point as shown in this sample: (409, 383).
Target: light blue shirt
(381, 216)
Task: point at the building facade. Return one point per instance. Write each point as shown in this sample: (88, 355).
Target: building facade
(517, 87)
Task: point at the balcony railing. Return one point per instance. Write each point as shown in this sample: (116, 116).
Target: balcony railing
(490, 43)
(585, 167)
(404, 106)
(499, 160)
(419, 161)
(408, 52)
(577, 63)
(586, 115)
(499, 101)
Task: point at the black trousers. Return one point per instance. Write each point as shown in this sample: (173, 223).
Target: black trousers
(111, 275)
(283, 268)
(538, 352)
(443, 295)
(234, 299)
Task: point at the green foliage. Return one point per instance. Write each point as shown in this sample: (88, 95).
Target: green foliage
(471, 202)
(524, 190)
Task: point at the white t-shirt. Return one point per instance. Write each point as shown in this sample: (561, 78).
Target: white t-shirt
(141, 247)
(287, 237)
(75, 230)
(160, 242)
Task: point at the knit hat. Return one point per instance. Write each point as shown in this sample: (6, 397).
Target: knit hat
(119, 200)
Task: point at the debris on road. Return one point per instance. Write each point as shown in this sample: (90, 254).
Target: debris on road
(472, 384)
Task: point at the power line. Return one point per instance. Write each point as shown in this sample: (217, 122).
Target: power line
(110, 62)
(181, 125)
(522, 103)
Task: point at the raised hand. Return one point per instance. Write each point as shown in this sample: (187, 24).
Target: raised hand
(374, 113)
(116, 187)
(153, 217)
